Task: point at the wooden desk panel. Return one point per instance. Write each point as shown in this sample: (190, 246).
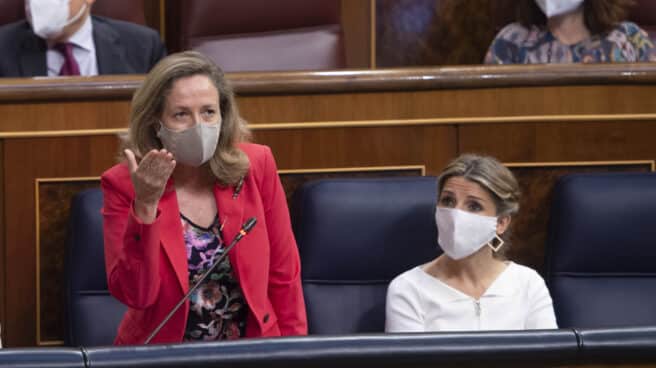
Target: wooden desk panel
(27, 160)
(65, 115)
(450, 104)
(432, 146)
(350, 119)
(563, 141)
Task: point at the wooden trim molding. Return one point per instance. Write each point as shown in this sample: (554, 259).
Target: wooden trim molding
(62, 133)
(421, 168)
(455, 121)
(579, 118)
(650, 163)
(68, 88)
(435, 78)
(341, 81)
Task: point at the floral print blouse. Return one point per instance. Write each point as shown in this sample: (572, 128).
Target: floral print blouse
(217, 309)
(516, 44)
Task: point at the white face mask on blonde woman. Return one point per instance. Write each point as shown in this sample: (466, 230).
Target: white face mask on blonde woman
(466, 218)
(461, 234)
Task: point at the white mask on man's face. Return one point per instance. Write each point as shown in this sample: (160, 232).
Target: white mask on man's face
(49, 17)
(552, 8)
(461, 234)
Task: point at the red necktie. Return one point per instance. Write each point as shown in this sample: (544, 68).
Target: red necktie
(70, 66)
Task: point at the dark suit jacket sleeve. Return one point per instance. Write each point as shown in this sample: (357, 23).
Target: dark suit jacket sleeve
(124, 47)
(158, 50)
(22, 53)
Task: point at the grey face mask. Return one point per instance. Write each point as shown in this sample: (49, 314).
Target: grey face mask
(193, 146)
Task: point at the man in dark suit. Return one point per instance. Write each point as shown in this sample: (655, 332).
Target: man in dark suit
(80, 45)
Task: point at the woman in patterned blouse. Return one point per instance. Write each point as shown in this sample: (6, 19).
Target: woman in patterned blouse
(571, 31)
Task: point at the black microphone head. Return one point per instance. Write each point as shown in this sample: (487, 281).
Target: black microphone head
(248, 225)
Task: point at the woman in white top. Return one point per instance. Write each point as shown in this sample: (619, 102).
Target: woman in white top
(471, 286)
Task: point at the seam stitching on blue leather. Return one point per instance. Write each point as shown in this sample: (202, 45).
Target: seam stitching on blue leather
(579, 341)
(85, 357)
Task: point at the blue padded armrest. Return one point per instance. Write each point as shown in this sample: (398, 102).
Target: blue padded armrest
(497, 349)
(625, 344)
(42, 358)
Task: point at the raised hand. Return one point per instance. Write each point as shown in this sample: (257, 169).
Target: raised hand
(149, 179)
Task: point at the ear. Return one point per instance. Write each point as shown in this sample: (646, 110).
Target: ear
(502, 224)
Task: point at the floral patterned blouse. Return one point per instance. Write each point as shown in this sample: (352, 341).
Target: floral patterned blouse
(516, 44)
(217, 309)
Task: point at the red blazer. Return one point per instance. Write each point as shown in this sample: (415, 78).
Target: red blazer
(147, 264)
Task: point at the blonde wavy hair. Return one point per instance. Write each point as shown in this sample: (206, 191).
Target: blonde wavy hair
(491, 175)
(229, 164)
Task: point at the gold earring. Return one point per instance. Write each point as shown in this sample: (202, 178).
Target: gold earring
(498, 246)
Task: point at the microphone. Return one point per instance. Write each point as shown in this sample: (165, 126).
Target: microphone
(245, 229)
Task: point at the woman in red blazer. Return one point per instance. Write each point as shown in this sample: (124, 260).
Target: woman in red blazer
(187, 185)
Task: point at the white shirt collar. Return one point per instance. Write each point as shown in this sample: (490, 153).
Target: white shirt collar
(502, 286)
(83, 38)
(84, 52)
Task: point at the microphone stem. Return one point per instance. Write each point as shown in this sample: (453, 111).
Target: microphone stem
(183, 300)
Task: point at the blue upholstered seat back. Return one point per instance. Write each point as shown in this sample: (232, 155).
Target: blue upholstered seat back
(601, 250)
(93, 314)
(354, 237)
